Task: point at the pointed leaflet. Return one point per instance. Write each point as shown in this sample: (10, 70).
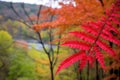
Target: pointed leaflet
(83, 62)
(70, 60)
(107, 29)
(110, 27)
(95, 25)
(115, 21)
(77, 45)
(90, 29)
(83, 36)
(117, 9)
(105, 34)
(111, 39)
(107, 48)
(100, 57)
(91, 60)
(116, 15)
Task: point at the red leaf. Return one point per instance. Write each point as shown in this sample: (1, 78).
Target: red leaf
(108, 49)
(90, 29)
(117, 9)
(111, 39)
(115, 21)
(91, 60)
(112, 28)
(77, 45)
(95, 25)
(83, 62)
(100, 57)
(70, 60)
(83, 36)
(107, 35)
(116, 15)
(97, 30)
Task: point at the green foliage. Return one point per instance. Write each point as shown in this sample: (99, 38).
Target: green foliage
(1, 63)
(42, 64)
(5, 39)
(21, 66)
(16, 29)
(45, 35)
(5, 49)
(15, 64)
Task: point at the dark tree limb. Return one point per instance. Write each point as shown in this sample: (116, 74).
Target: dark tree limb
(58, 49)
(38, 14)
(23, 7)
(102, 3)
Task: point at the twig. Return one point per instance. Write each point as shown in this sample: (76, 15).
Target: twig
(23, 7)
(38, 14)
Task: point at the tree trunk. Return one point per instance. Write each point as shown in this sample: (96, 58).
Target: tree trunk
(88, 71)
(52, 71)
(97, 71)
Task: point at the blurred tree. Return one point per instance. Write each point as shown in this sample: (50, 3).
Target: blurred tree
(14, 63)
(21, 66)
(5, 44)
(5, 40)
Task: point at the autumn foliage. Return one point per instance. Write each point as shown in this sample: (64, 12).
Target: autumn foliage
(72, 16)
(94, 39)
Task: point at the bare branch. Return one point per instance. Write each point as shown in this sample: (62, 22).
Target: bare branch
(102, 3)
(23, 7)
(43, 46)
(58, 49)
(13, 9)
(22, 21)
(50, 36)
(38, 14)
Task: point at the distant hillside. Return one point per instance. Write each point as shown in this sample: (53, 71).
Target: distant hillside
(7, 23)
(6, 10)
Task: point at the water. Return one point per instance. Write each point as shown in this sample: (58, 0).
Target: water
(38, 46)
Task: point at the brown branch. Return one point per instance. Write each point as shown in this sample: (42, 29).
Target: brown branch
(50, 36)
(38, 14)
(22, 21)
(13, 9)
(23, 7)
(58, 49)
(102, 3)
(43, 46)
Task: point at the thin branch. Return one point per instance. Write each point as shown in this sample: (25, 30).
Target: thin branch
(39, 34)
(50, 36)
(13, 9)
(23, 7)
(58, 49)
(38, 14)
(102, 3)
(88, 71)
(43, 46)
(22, 21)
(29, 26)
(32, 37)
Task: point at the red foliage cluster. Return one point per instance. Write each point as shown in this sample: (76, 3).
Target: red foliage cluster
(93, 39)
